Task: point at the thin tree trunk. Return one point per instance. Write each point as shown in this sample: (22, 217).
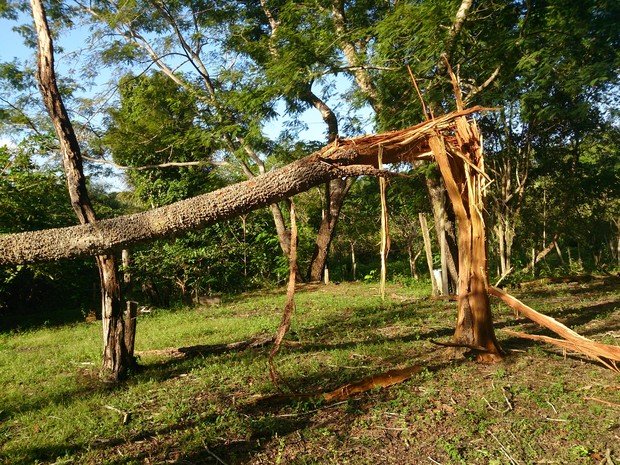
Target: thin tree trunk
(131, 314)
(115, 360)
(353, 262)
(385, 234)
(336, 191)
(559, 251)
(537, 257)
(429, 251)
(499, 230)
(412, 261)
(284, 234)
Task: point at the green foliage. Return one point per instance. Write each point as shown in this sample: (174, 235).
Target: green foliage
(551, 65)
(227, 257)
(156, 124)
(33, 197)
(182, 408)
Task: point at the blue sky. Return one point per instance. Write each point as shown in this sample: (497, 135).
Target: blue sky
(11, 47)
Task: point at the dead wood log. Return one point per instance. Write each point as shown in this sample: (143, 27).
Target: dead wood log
(608, 355)
(386, 379)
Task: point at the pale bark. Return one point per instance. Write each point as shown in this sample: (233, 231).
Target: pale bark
(111, 235)
(346, 158)
(115, 359)
(353, 262)
(429, 251)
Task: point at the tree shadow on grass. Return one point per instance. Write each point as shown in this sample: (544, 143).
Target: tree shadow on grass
(267, 420)
(573, 288)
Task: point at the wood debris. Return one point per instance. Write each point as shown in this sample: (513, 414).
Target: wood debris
(606, 354)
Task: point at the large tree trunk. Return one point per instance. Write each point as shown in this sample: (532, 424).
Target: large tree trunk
(110, 235)
(115, 360)
(464, 184)
(349, 157)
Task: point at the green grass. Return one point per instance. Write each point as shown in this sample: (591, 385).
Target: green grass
(535, 407)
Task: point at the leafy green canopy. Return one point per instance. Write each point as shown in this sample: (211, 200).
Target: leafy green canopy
(157, 122)
(34, 197)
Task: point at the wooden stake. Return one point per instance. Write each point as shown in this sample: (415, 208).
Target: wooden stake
(385, 237)
(428, 250)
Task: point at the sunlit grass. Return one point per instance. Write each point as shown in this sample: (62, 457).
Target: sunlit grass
(55, 409)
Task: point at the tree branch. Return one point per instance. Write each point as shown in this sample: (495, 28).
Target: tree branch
(343, 158)
(171, 164)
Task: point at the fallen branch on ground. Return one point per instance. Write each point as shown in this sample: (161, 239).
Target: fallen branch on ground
(608, 355)
(382, 380)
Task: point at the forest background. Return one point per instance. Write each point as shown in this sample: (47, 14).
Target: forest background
(203, 84)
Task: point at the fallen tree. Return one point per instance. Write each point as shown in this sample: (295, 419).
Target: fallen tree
(452, 140)
(342, 158)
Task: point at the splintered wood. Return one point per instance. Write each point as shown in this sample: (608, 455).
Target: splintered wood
(606, 354)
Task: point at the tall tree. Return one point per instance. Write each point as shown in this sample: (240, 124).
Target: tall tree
(116, 359)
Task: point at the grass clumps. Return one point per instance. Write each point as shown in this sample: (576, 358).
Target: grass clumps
(538, 405)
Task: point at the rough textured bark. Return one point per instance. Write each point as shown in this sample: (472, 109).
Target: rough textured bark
(115, 354)
(111, 235)
(347, 157)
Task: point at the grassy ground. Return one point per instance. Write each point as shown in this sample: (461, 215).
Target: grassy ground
(538, 406)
